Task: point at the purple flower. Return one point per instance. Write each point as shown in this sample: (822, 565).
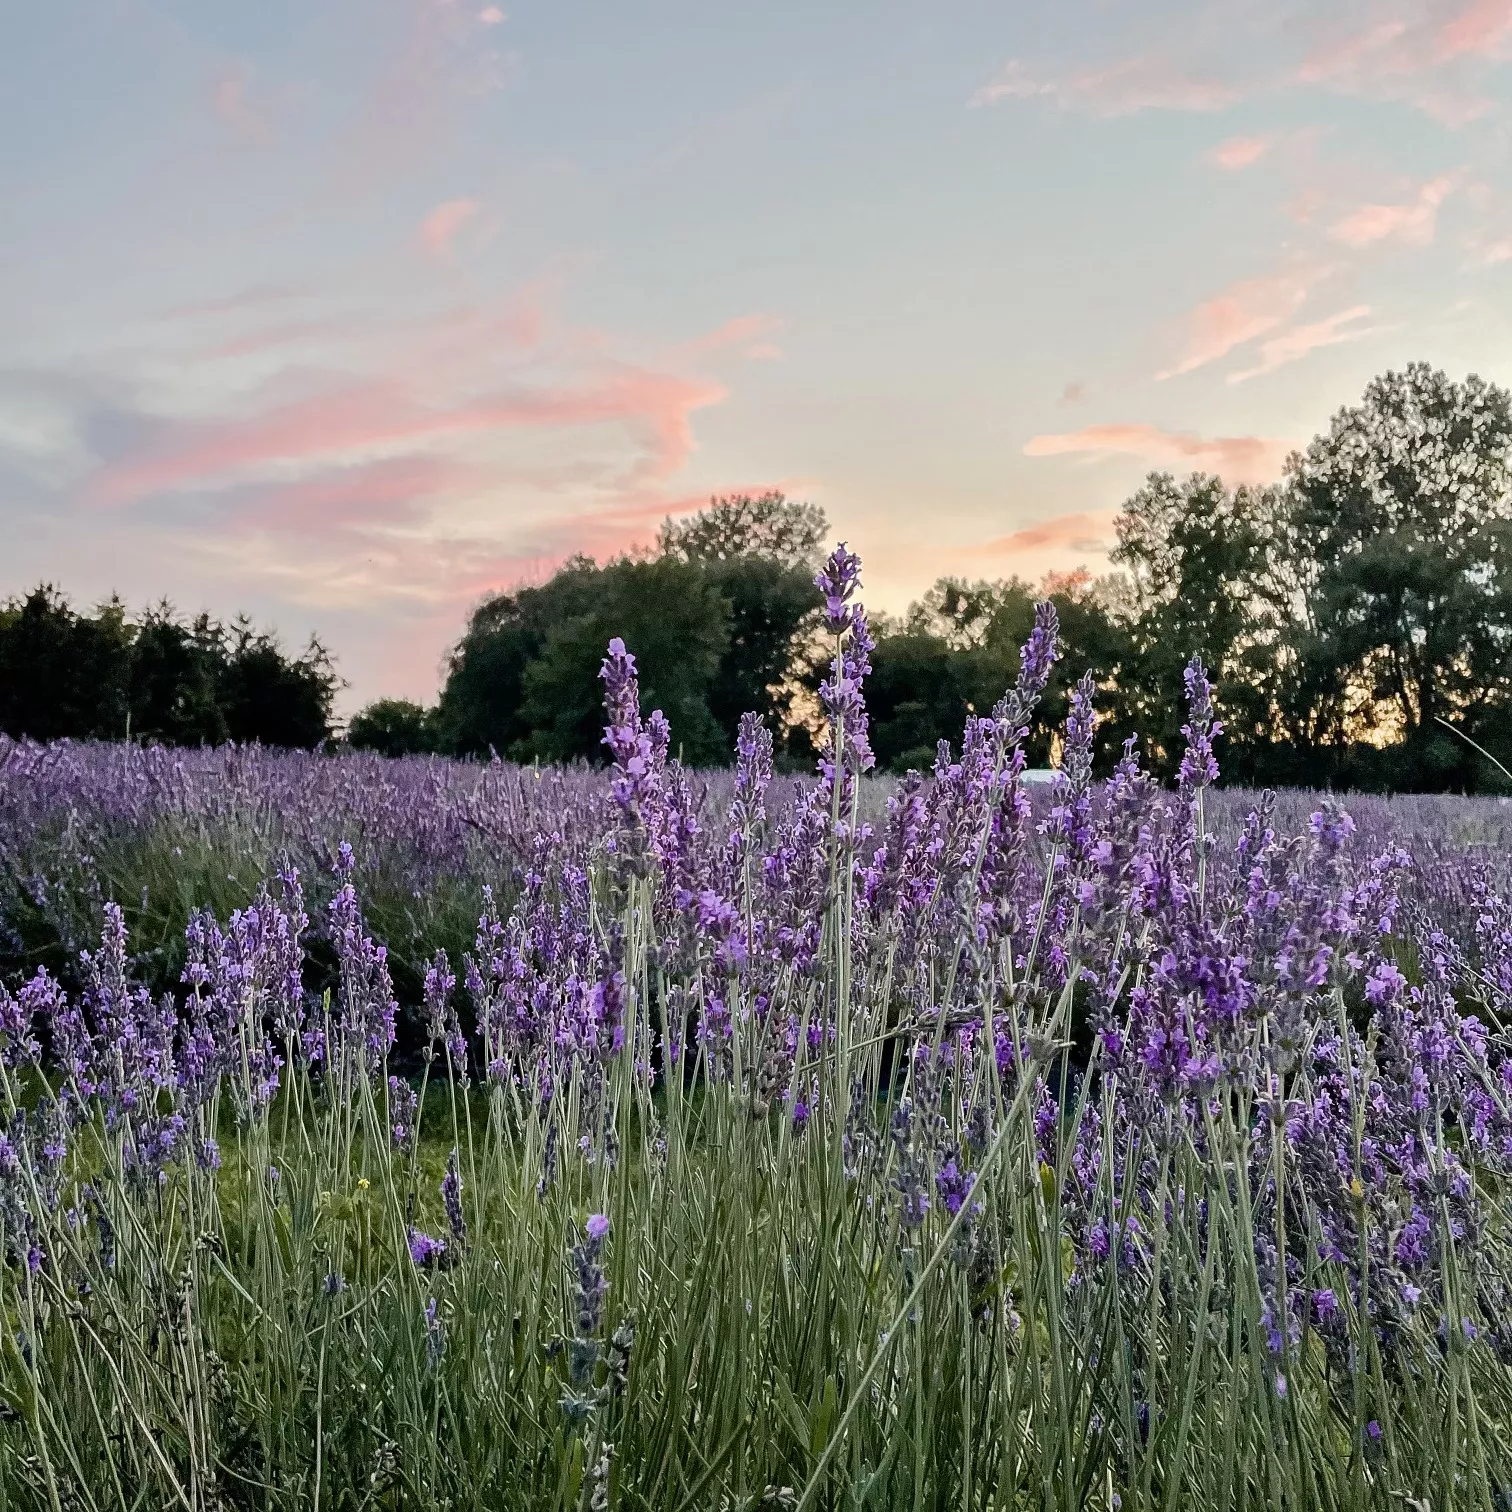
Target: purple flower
(838, 580)
(1384, 984)
(425, 1251)
(404, 1111)
(1199, 767)
(591, 1286)
(451, 1195)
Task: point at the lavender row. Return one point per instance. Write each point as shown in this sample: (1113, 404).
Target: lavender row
(1161, 1106)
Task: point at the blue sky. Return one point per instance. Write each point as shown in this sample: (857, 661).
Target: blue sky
(344, 313)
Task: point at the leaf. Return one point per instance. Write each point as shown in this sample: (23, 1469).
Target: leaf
(792, 1413)
(823, 1416)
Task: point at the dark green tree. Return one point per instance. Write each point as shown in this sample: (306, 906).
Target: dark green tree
(61, 673)
(482, 705)
(1198, 579)
(392, 727)
(174, 673)
(678, 625)
(273, 698)
(1400, 530)
(957, 651)
(760, 555)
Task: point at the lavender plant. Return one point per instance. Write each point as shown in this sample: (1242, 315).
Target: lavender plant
(852, 1146)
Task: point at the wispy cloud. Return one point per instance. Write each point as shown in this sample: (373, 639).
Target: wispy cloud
(1239, 314)
(1431, 54)
(1245, 459)
(1149, 81)
(1293, 345)
(752, 335)
(1414, 221)
(1487, 251)
(1087, 531)
(362, 419)
(440, 229)
(1239, 152)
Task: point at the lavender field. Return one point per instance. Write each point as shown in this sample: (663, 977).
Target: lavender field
(423, 1134)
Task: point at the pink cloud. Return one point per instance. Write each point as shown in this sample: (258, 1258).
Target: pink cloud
(344, 499)
(1148, 81)
(379, 415)
(1489, 252)
(1088, 531)
(235, 109)
(751, 333)
(1245, 459)
(1429, 54)
(1479, 30)
(491, 15)
(413, 105)
(1239, 314)
(445, 223)
(1415, 222)
(1293, 345)
(1240, 152)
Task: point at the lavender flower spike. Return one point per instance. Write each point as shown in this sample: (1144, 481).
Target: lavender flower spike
(1199, 767)
(838, 580)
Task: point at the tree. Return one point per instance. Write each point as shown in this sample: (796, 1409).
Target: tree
(174, 671)
(268, 697)
(482, 706)
(1400, 519)
(956, 653)
(676, 623)
(760, 554)
(524, 679)
(742, 525)
(392, 727)
(1197, 580)
(63, 674)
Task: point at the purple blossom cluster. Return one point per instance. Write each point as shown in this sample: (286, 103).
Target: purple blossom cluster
(1189, 1012)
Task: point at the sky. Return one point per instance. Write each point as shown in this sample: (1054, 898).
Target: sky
(348, 312)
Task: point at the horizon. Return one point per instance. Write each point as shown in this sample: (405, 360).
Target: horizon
(345, 316)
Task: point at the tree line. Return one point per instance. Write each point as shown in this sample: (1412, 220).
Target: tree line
(158, 677)
(1356, 614)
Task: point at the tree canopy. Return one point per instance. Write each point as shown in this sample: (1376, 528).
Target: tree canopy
(716, 618)
(106, 677)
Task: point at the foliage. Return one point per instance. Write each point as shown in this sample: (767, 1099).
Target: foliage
(679, 626)
(957, 650)
(64, 674)
(718, 619)
(392, 727)
(1402, 521)
(1348, 609)
(760, 555)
